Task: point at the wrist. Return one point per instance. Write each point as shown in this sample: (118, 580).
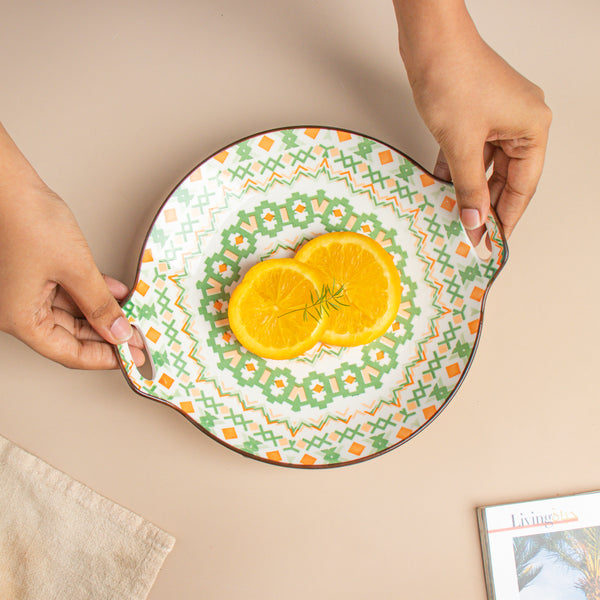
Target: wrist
(17, 176)
(429, 28)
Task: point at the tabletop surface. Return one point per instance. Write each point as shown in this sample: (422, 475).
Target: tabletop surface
(114, 104)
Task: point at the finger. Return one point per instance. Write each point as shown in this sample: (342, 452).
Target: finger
(488, 155)
(120, 291)
(136, 339)
(62, 302)
(117, 288)
(78, 328)
(62, 299)
(63, 347)
(88, 289)
(138, 356)
(467, 168)
(83, 331)
(71, 352)
(497, 179)
(522, 176)
(441, 169)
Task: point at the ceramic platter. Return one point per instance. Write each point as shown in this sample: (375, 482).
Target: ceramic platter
(263, 197)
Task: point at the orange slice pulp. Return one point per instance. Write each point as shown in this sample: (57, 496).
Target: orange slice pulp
(266, 310)
(369, 281)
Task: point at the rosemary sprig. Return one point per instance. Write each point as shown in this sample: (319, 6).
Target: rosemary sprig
(324, 302)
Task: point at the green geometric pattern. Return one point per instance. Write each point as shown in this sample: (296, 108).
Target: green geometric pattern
(320, 386)
(263, 197)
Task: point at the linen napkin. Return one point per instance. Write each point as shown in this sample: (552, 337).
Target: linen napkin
(60, 540)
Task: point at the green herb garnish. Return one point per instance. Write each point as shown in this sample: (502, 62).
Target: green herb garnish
(327, 300)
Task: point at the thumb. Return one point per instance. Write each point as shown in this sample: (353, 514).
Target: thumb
(467, 168)
(88, 289)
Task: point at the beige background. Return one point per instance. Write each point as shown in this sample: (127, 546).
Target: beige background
(114, 102)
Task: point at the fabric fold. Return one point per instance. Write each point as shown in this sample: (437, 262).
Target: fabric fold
(60, 540)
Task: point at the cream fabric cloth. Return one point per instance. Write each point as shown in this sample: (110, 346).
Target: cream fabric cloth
(60, 540)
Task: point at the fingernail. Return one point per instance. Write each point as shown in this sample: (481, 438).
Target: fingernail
(121, 330)
(470, 218)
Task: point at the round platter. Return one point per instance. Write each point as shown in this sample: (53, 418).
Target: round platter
(261, 198)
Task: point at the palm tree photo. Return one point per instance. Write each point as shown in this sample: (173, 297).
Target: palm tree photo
(526, 550)
(579, 549)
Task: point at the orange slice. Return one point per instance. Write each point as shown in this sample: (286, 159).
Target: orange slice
(266, 310)
(371, 285)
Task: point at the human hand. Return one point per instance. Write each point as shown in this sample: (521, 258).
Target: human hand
(478, 108)
(52, 296)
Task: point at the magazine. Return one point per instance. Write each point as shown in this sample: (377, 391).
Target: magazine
(542, 549)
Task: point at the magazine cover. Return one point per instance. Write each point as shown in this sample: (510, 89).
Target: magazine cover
(542, 549)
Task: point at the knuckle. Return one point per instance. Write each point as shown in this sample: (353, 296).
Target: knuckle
(520, 147)
(521, 196)
(25, 325)
(497, 178)
(440, 133)
(85, 268)
(79, 328)
(10, 326)
(539, 92)
(102, 310)
(546, 116)
(540, 116)
(470, 197)
(70, 364)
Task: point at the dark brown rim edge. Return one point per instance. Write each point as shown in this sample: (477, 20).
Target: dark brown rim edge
(357, 460)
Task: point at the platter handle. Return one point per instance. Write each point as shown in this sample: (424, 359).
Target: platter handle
(134, 377)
